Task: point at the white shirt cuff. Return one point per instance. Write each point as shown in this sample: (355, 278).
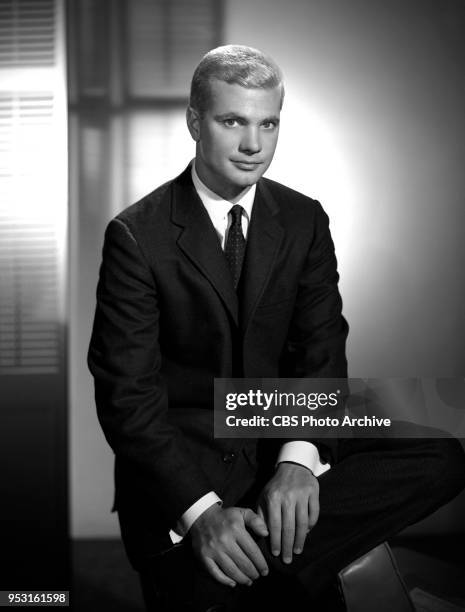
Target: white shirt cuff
(305, 453)
(192, 514)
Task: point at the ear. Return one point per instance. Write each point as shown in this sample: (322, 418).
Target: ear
(193, 123)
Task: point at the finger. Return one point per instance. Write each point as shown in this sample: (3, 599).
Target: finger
(253, 553)
(241, 558)
(230, 568)
(287, 531)
(214, 571)
(302, 512)
(313, 509)
(274, 527)
(255, 521)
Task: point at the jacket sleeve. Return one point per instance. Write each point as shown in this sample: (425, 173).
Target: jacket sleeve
(318, 331)
(125, 360)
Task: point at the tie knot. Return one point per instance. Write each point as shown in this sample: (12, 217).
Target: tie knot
(236, 213)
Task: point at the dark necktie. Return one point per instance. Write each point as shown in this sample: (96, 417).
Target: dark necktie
(235, 244)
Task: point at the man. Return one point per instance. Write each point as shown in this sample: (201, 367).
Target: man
(221, 273)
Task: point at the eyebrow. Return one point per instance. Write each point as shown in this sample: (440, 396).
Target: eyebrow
(233, 115)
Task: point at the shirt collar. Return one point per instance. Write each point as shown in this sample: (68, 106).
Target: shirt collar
(217, 207)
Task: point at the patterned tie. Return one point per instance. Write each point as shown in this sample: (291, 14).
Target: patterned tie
(235, 244)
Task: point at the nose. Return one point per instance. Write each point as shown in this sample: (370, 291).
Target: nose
(250, 142)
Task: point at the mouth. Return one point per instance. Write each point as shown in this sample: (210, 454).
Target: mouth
(246, 165)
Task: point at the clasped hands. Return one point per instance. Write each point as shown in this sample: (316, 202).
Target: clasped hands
(288, 507)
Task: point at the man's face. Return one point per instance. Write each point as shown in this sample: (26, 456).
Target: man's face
(236, 137)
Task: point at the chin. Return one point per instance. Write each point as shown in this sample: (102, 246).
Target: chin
(249, 180)
(246, 179)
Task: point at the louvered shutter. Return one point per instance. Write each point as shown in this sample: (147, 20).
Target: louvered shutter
(33, 215)
(32, 188)
(166, 39)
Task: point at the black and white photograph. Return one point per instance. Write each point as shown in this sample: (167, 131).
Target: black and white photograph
(199, 196)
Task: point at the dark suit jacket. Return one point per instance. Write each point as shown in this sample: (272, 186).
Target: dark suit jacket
(168, 321)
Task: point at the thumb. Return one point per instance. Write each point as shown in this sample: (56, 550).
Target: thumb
(255, 522)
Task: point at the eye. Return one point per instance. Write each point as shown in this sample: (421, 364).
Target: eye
(231, 122)
(269, 125)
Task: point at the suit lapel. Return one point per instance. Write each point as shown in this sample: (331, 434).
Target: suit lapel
(199, 241)
(263, 242)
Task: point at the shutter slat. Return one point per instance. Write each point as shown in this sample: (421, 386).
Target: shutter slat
(27, 33)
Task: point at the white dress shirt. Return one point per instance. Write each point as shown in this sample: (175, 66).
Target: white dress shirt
(298, 451)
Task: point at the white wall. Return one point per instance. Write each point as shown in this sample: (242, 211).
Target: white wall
(373, 126)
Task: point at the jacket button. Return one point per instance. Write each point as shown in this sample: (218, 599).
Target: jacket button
(229, 457)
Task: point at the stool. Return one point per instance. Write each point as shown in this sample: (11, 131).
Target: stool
(373, 583)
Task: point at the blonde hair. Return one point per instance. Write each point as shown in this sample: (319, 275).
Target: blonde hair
(244, 66)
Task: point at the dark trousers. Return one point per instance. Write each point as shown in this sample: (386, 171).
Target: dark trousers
(377, 488)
